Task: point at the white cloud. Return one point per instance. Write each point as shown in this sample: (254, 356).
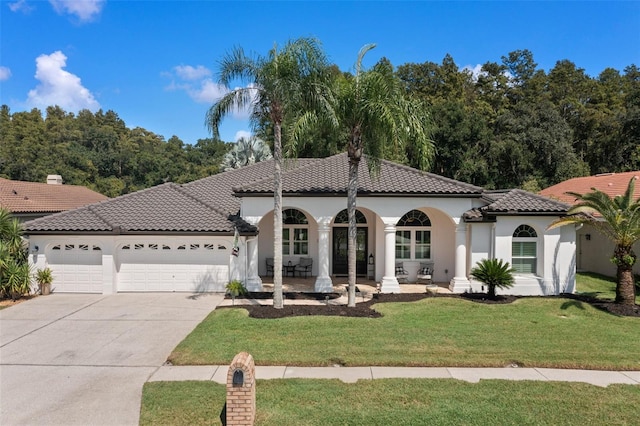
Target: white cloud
(59, 87)
(187, 72)
(21, 6)
(5, 73)
(198, 84)
(85, 10)
(242, 134)
(207, 92)
(476, 72)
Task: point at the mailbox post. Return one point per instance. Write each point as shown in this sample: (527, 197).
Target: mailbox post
(241, 391)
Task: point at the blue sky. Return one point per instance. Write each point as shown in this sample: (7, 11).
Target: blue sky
(154, 62)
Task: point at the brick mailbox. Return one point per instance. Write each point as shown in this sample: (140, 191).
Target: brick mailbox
(241, 391)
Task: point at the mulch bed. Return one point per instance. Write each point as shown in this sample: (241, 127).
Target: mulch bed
(365, 310)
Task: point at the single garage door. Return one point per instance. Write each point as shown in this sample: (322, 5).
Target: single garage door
(77, 268)
(188, 267)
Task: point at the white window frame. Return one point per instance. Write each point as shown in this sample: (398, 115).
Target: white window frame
(292, 246)
(413, 243)
(533, 240)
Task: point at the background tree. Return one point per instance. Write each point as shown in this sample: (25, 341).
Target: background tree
(618, 219)
(283, 84)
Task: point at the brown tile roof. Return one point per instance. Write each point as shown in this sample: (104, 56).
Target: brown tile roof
(33, 197)
(209, 205)
(513, 202)
(218, 189)
(330, 176)
(166, 208)
(611, 184)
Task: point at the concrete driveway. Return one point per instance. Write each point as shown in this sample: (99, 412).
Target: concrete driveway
(82, 359)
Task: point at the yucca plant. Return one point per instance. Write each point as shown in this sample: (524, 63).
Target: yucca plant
(17, 279)
(494, 273)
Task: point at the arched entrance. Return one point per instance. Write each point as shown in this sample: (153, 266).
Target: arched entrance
(341, 242)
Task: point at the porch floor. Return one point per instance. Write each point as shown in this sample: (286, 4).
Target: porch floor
(306, 285)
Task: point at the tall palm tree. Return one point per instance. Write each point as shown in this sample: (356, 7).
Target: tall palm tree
(283, 84)
(618, 219)
(376, 115)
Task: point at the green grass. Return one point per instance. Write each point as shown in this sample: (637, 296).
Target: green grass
(599, 286)
(398, 402)
(541, 332)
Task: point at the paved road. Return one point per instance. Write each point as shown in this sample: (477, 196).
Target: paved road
(83, 359)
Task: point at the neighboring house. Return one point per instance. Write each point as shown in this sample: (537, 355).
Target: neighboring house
(594, 250)
(31, 200)
(180, 237)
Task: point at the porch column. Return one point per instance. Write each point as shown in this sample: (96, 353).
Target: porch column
(253, 281)
(323, 280)
(389, 282)
(460, 282)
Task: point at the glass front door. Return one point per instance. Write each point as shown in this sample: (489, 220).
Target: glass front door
(340, 251)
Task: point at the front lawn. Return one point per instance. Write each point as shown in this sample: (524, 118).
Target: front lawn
(398, 402)
(437, 331)
(599, 286)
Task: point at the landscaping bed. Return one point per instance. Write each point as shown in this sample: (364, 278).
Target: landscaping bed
(365, 309)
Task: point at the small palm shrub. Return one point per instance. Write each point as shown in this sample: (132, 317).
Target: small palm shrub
(494, 273)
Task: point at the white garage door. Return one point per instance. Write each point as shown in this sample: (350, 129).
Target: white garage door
(77, 268)
(189, 267)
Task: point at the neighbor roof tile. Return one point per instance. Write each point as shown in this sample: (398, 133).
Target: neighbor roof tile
(34, 197)
(611, 184)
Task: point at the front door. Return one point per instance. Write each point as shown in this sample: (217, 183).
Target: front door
(340, 251)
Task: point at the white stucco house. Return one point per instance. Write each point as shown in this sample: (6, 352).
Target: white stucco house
(180, 237)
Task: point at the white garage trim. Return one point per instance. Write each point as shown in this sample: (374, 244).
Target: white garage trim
(187, 265)
(76, 267)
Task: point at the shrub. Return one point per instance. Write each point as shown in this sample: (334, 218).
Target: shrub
(494, 273)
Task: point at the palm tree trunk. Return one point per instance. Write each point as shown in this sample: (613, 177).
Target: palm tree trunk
(277, 217)
(625, 289)
(352, 192)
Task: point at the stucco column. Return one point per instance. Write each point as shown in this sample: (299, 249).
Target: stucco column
(323, 280)
(389, 282)
(460, 282)
(253, 282)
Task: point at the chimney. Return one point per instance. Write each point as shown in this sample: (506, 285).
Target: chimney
(54, 180)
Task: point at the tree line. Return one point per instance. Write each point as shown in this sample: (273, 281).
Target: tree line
(99, 151)
(508, 125)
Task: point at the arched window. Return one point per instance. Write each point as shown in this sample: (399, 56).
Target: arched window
(295, 233)
(413, 236)
(343, 217)
(524, 248)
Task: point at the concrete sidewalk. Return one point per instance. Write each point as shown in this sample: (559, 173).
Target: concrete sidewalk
(218, 373)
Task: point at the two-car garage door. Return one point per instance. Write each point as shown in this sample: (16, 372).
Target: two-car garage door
(196, 266)
(193, 267)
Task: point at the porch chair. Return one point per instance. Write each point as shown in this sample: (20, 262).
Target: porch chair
(401, 274)
(425, 273)
(269, 261)
(304, 267)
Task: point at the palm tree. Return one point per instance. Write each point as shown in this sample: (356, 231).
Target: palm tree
(283, 84)
(246, 151)
(494, 273)
(376, 116)
(618, 219)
